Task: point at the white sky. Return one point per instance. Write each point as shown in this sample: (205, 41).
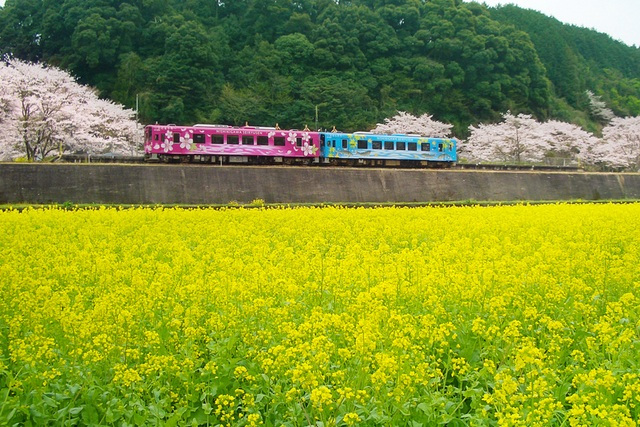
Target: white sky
(618, 18)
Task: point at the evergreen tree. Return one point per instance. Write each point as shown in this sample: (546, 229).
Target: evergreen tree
(357, 61)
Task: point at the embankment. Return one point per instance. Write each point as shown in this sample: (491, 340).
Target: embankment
(192, 184)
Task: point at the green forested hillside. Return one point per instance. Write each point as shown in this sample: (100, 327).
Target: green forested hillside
(354, 62)
(578, 59)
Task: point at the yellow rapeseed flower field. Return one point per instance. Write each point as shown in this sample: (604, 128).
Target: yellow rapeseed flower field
(509, 315)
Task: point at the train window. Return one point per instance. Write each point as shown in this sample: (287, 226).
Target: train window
(425, 146)
(233, 139)
(362, 144)
(345, 143)
(176, 138)
(155, 136)
(247, 140)
(198, 138)
(217, 139)
(400, 145)
(388, 145)
(162, 137)
(278, 141)
(299, 142)
(263, 140)
(412, 146)
(440, 147)
(376, 145)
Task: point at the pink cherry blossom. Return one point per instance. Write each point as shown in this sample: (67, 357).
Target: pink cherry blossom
(515, 139)
(521, 138)
(45, 112)
(405, 123)
(621, 144)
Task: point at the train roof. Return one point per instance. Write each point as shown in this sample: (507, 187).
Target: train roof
(204, 125)
(390, 134)
(405, 135)
(234, 127)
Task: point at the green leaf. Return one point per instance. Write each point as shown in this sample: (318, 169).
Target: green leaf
(139, 419)
(206, 407)
(49, 401)
(34, 412)
(110, 416)
(473, 392)
(157, 412)
(76, 410)
(11, 414)
(173, 420)
(424, 408)
(73, 388)
(200, 417)
(90, 415)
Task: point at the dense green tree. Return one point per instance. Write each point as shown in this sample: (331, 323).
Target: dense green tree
(578, 59)
(130, 79)
(188, 74)
(341, 101)
(238, 106)
(295, 50)
(355, 61)
(21, 29)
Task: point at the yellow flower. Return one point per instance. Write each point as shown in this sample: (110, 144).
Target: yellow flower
(525, 314)
(351, 418)
(321, 397)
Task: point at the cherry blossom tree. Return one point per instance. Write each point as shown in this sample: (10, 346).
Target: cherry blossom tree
(523, 139)
(44, 111)
(516, 139)
(7, 120)
(405, 123)
(569, 142)
(108, 128)
(599, 108)
(621, 144)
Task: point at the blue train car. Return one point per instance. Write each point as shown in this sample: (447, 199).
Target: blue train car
(386, 150)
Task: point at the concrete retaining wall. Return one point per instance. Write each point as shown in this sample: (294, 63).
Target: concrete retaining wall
(192, 184)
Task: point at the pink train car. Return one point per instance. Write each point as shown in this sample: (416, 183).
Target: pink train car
(228, 144)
